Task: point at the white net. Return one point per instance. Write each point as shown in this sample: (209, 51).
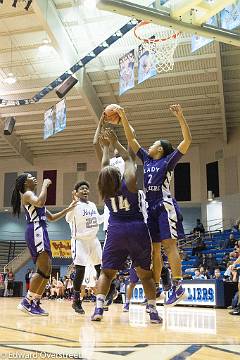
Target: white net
(161, 42)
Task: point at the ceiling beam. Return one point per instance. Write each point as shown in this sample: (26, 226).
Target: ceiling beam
(142, 90)
(17, 145)
(163, 18)
(68, 53)
(39, 112)
(221, 91)
(170, 101)
(167, 75)
(93, 68)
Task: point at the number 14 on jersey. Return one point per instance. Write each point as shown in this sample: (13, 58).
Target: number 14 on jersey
(123, 204)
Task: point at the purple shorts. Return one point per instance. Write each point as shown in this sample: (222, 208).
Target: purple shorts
(37, 239)
(127, 238)
(133, 276)
(165, 220)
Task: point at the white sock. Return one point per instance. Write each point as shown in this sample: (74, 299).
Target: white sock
(100, 300)
(32, 296)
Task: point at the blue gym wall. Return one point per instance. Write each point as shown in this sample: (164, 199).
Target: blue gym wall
(12, 228)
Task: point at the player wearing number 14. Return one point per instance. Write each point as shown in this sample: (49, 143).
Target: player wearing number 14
(86, 249)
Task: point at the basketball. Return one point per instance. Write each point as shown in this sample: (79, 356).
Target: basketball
(111, 116)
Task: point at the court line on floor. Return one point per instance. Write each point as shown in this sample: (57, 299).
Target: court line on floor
(35, 333)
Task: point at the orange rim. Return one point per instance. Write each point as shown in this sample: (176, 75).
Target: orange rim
(146, 22)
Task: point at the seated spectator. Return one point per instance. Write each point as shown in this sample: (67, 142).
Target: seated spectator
(200, 245)
(236, 252)
(204, 272)
(217, 274)
(53, 288)
(199, 228)
(198, 276)
(68, 284)
(229, 243)
(210, 263)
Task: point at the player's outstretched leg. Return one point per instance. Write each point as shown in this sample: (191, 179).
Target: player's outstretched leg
(103, 285)
(77, 283)
(178, 292)
(30, 304)
(146, 277)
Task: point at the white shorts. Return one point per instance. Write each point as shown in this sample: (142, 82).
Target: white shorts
(86, 252)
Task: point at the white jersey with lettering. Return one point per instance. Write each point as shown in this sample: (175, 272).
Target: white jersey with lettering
(84, 222)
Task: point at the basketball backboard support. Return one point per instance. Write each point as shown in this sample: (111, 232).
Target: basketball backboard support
(187, 16)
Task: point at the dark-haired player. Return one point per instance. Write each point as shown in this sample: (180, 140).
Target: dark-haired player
(164, 217)
(84, 222)
(127, 232)
(36, 236)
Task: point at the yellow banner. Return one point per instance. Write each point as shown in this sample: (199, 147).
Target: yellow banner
(61, 248)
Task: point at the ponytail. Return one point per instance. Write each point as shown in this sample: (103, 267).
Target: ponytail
(16, 197)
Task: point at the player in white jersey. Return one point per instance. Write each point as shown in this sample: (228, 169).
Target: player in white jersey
(86, 249)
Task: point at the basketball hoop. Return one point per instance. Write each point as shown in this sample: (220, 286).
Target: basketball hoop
(161, 42)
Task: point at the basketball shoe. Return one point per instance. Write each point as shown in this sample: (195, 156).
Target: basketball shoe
(24, 306)
(126, 307)
(97, 315)
(178, 294)
(77, 306)
(37, 310)
(154, 317)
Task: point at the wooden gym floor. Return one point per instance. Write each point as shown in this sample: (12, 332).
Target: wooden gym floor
(186, 333)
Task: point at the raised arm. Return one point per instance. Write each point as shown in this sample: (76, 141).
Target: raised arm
(129, 132)
(96, 143)
(59, 215)
(130, 170)
(112, 137)
(187, 138)
(39, 201)
(106, 156)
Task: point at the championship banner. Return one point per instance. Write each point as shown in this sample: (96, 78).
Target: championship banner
(48, 123)
(126, 72)
(61, 248)
(60, 119)
(146, 63)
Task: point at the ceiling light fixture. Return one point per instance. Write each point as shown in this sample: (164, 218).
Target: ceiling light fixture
(45, 47)
(10, 79)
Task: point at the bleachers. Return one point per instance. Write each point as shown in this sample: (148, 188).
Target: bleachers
(213, 244)
(9, 250)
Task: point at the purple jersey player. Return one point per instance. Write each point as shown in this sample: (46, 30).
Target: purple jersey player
(36, 236)
(164, 218)
(127, 232)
